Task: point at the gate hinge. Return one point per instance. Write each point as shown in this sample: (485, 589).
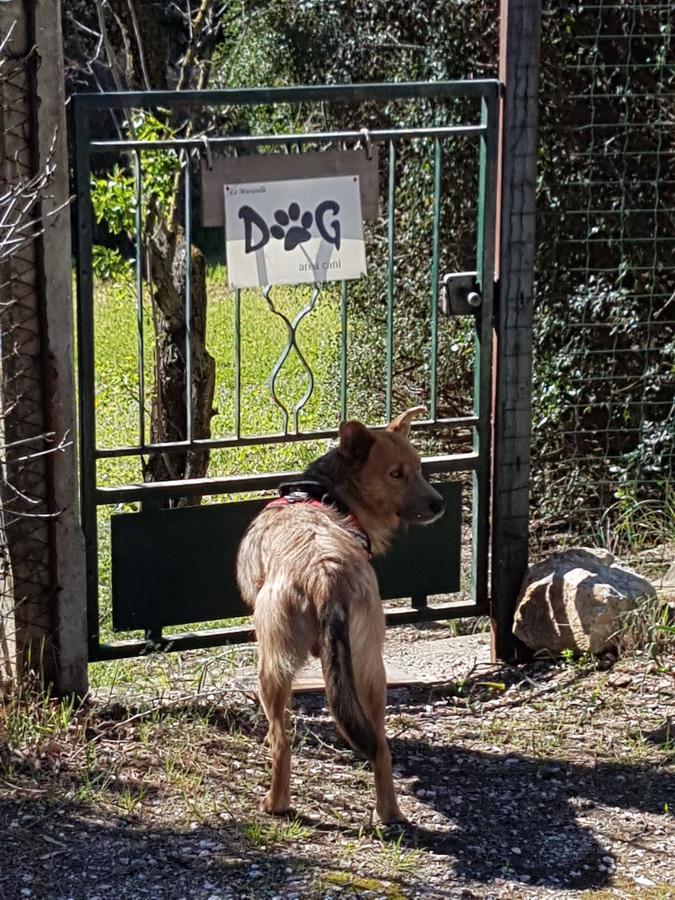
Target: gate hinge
(460, 294)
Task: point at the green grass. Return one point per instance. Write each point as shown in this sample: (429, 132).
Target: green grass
(265, 834)
(263, 338)
(395, 857)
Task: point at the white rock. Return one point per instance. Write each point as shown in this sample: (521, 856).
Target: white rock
(575, 600)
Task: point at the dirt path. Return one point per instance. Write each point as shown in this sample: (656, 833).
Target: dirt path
(550, 781)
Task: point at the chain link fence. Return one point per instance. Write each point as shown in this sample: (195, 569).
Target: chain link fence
(603, 423)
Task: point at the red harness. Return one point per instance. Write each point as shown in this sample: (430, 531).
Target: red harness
(350, 523)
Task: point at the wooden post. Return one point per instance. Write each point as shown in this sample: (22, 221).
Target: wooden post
(45, 543)
(520, 42)
(24, 486)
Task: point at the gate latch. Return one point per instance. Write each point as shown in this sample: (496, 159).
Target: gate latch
(460, 294)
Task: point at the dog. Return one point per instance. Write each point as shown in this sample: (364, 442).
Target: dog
(303, 567)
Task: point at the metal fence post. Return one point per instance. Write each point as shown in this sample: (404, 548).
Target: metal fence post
(520, 40)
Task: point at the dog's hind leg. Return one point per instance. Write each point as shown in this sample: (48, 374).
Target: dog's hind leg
(282, 649)
(275, 692)
(371, 686)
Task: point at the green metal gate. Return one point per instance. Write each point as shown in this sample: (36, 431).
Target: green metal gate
(155, 573)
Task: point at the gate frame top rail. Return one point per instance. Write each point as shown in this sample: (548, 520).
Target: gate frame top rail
(338, 93)
(377, 134)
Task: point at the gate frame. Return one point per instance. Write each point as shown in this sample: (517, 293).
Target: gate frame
(479, 461)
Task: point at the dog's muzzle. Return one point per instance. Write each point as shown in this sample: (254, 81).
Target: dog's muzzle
(436, 512)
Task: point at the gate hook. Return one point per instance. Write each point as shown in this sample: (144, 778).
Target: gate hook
(207, 150)
(366, 141)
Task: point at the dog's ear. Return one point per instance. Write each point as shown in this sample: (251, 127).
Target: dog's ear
(402, 423)
(355, 442)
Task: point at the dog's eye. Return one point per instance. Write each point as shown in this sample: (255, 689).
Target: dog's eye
(396, 473)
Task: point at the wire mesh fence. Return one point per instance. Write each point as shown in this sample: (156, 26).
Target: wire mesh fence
(26, 623)
(604, 337)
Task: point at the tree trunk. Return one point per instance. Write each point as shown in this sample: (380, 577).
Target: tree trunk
(169, 408)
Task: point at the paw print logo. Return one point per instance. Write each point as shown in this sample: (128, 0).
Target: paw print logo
(290, 228)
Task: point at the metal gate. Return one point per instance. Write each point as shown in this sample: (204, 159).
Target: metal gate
(154, 573)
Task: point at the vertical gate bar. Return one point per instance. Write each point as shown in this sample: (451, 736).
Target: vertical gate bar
(237, 362)
(520, 47)
(138, 222)
(187, 212)
(483, 347)
(86, 365)
(343, 350)
(435, 245)
(391, 234)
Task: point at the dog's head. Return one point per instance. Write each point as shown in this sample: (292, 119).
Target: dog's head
(386, 472)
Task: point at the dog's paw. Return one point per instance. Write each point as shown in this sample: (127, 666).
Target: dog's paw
(392, 818)
(273, 806)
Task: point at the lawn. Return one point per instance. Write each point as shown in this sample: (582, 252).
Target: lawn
(263, 338)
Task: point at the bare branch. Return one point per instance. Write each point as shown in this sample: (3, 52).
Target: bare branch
(21, 223)
(139, 45)
(112, 64)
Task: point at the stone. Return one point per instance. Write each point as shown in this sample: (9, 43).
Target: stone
(576, 600)
(666, 585)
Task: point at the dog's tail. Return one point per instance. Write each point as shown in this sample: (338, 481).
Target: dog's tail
(336, 659)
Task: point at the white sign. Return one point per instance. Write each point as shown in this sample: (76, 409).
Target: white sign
(293, 232)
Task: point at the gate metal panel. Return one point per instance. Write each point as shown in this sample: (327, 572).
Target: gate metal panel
(477, 462)
(177, 567)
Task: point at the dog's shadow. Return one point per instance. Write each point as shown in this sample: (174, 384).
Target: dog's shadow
(523, 819)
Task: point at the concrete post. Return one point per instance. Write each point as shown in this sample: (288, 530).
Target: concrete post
(45, 541)
(59, 375)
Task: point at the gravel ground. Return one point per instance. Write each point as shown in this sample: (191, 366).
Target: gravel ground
(551, 780)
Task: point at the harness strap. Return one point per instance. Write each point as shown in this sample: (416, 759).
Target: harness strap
(296, 492)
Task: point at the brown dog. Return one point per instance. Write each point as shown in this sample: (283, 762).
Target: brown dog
(303, 567)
